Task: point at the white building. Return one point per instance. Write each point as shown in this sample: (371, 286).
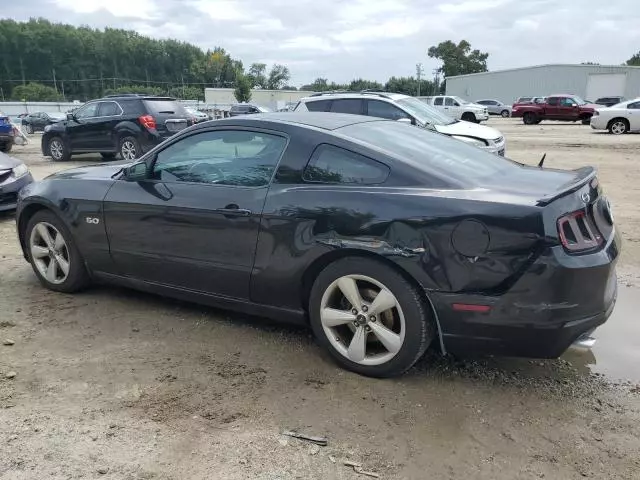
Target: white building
(273, 99)
(587, 81)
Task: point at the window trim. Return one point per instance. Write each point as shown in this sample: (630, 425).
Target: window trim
(315, 154)
(153, 156)
(108, 116)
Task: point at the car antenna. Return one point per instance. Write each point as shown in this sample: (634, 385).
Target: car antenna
(542, 160)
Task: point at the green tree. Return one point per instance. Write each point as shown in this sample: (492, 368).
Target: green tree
(257, 75)
(242, 91)
(288, 87)
(35, 92)
(634, 61)
(278, 76)
(409, 86)
(458, 59)
(360, 84)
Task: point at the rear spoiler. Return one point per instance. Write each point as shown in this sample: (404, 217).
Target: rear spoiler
(584, 175)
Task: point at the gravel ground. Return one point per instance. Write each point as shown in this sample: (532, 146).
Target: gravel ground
(117, 384)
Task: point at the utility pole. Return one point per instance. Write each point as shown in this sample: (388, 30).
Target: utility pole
(436, 81)
(2, 93)
(419, 72)
(182, 77)
(55, 84)
(63, 97)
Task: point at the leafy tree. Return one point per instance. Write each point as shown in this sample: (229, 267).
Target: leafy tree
(288, 87)
(458, 59)
(409, 86)
(242, 91)
(278, 76)
(360, 84)
(35, 92)
(589, 63)
(634, 61)
(323, 85)
(257, 75)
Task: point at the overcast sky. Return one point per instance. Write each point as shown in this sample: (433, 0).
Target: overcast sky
(372, 39)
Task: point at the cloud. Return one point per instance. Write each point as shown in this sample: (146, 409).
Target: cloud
(372, 39)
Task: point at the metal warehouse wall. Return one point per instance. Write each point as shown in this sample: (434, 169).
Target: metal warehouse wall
(507, 85)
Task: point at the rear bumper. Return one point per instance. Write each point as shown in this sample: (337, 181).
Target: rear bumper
(551, 306)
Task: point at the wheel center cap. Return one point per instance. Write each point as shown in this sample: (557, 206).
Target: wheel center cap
(361, 319)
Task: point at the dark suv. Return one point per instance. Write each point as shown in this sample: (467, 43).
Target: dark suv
(129, 125)
(246, 109)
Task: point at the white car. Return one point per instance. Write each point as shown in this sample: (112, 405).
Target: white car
(197, 114)
(395, 106)
(621, 118)
(459, 108)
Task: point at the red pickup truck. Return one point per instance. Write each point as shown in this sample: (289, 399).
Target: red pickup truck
(556, 107)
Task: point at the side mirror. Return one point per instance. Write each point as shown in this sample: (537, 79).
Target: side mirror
(71, 116)
(136, 172)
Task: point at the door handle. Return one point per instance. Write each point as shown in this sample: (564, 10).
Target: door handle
(233, 211)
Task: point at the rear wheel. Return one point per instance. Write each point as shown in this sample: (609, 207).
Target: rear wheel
(6, 147)
(469, 117)
(58, 151)
(28, 128)
(504, 113)
(370, 319)
(129, 148)
(618, 126)
(53, 254)
(530, 118)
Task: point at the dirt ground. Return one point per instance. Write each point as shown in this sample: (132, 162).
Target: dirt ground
(116, 384)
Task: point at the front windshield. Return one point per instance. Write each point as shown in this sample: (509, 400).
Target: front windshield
(425, 113)
(263, 109)
(579, 101)
(461, 101)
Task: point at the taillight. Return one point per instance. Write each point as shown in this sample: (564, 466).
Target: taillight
(578, 233)
(147, 121)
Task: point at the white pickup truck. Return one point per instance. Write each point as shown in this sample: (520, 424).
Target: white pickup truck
(458, 108)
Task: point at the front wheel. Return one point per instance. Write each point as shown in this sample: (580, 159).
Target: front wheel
(53, 254)
(370, 319)
(618, 127)
(6, 147)
(469, 117)
(129, 148)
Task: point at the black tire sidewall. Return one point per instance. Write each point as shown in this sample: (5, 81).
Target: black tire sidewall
(419, 326)
(6, 147)
(529, 118)
(502, 114)
(469, 117)
(135, 142)
(78, 277)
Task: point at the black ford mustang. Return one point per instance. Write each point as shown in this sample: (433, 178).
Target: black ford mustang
(383, 236)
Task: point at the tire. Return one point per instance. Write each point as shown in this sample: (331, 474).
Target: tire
(108, 155)
(6, 147)
(407, 326)
(29, 129)
(129, 148)
(58, 150)
(530, 118)
(618, 126)
(505, 114)
(585, 120)
(469, 117)
(76, 276)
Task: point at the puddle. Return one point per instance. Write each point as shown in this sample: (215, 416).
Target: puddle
(616, 353)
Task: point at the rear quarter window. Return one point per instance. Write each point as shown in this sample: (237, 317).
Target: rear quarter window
(331, 164)
(131, 107)
(318, 106)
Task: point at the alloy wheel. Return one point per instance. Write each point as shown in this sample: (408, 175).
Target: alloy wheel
(618, 128)
(49, 252)
(362, 319)
(128, 150)
(56, 149)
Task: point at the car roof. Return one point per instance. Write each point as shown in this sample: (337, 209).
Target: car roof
(322, 120)
(332, 95)
(133, 96)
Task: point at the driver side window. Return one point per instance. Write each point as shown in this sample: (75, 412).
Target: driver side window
(449, 102)
(223, 157)
(88, 111)
(568, 102)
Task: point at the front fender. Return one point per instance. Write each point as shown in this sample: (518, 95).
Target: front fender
(78, 203)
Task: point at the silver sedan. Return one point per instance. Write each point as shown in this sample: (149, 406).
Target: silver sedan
(496, 107)
(621, 118)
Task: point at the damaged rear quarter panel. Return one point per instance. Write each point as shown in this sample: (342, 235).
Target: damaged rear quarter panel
(408, 226)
